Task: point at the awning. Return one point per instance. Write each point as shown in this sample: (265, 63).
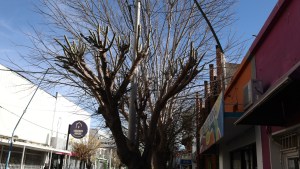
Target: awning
(36, 147)
(279, 105)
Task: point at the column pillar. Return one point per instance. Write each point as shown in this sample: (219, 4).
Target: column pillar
(22, 159)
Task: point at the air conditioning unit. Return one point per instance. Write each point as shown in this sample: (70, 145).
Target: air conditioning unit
(252, 91)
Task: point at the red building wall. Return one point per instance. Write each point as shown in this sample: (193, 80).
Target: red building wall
(280, 48)
(265, 147)
(276, 50)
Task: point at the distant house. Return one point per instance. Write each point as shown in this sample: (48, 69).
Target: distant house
(40, 138)
(106, 155)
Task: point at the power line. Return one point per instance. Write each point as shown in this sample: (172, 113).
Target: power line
(45, 110)
(25, 71)
(28, 120)
(38, 124)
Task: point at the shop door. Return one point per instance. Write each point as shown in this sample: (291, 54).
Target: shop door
(244, 158)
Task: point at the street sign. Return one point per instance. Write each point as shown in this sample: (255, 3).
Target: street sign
(78, 129)
(185, 162)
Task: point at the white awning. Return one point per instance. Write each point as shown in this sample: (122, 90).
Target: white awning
(35, 147)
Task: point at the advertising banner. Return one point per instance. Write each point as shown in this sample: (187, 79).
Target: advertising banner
(213, 127)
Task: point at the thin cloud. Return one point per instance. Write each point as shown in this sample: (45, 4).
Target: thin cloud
(6, 51)
(4, 25)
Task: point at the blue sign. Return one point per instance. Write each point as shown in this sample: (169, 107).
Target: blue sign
(185, 162)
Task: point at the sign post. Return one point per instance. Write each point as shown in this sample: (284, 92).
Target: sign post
(78, 130)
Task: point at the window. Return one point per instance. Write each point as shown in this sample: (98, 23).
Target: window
(244, 158)
(293, 163)
(289, 141)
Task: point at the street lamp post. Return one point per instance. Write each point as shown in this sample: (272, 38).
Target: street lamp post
(13, 133)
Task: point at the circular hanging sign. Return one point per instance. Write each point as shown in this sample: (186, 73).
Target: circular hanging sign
(78, 129)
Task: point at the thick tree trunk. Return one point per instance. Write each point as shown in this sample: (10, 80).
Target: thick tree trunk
(128, 154)
(88, 164)
(81, 166)
(140, 166)
(160, 160)
(139, 163)
(170, 162)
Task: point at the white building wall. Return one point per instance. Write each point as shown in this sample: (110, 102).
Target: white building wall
(275, 155)
(42, 119)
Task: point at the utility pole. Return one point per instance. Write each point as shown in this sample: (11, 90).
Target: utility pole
(53, 118)
(198, 108)
(133, 92)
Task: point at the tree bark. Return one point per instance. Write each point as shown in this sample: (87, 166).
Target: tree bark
(88, 164)
(81, 166)
(128, 154)
(160, 159)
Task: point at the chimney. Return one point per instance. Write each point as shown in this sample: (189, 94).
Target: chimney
(220, 70)
(201, 104)
(198, 108)
(206, 97)
(205, 90)
(215, 89)
(211, 85)
(201, 112)
(211, 77)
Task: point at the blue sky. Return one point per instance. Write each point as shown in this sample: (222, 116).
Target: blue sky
(17, 16)
(251, 15)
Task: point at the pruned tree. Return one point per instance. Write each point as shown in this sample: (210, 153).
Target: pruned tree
(94, 59)
(104, 86)
(175, 123)
(86, 149)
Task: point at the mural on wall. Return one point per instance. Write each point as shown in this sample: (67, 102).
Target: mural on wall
(213, 127)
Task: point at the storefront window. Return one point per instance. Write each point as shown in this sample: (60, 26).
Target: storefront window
(293, 163)
(244, 158)
(236, 160)
(289, 149)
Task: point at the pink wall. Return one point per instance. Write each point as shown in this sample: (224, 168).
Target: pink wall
(279, 49)
(265, 148)
(276, 50)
